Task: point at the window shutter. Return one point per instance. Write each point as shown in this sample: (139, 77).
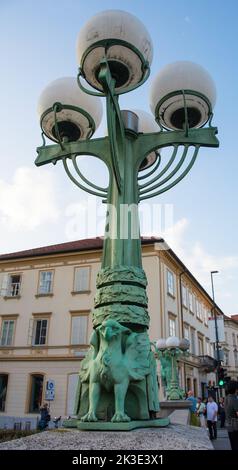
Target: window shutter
(30, 332)
(4, 333)
(4, 286)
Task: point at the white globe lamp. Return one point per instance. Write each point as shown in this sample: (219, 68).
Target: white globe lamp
(161, 343)
(176, 84)
(122, 39)
(78, 114)
(172, 342)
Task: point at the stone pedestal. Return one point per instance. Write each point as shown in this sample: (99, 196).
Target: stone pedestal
(109, 426)
(168, 407)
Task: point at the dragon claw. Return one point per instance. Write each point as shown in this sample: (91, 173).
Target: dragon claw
(90, 416)
(120, 417)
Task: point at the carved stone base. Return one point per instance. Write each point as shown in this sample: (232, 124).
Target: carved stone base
(121, 296)
(108, 426)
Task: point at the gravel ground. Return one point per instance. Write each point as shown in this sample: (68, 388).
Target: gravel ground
(172, 437)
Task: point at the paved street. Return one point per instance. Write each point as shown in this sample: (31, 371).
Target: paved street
(222, 442)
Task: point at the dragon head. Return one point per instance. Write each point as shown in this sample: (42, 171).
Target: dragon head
(111, 328)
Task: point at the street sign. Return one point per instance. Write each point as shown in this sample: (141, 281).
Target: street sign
(50, 385)
(49, 395)
(50, 390)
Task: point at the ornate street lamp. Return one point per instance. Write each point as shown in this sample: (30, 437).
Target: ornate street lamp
(118, 382)
(168, 352)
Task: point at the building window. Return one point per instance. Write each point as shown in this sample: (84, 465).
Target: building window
(190, 299)
(186, 333)
(184, 296)
(206, 316)
(45, 282)
(236, 358)
(71, 393)
(7, 332)
(81, 279)
(226, 337)
(3, 391)
(198, 309)
(202, 313)
(39, 332)
(200, 346)
(11, 285)
(172, 327)
(79, 329)
(193, 346)
(207, 347)
(170, 282)
(36, 393)
(234, 339)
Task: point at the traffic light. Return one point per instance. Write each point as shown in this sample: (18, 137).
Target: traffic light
(221, 377)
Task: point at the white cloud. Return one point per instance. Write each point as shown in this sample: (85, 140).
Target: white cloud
(200, 262)
(29, 200)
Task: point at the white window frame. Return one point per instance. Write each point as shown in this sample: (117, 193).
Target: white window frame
(35, 321)
(190, 302)
(6, 341)
(170, 283)
(208, 347)
(172, 326)
(198, 309)
(45, 286)
(85, 285)
(236, 357)
(234, 339)
(184, 296)
(73, 334)
(193, 344)
(186, 332)
(14, 288)
(200, 350)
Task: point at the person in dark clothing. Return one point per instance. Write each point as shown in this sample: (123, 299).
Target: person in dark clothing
(221, 412)
(44, 417)
(231, 410)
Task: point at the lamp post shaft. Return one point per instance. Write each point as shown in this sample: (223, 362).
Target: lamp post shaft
(216, 329)
(118, 377)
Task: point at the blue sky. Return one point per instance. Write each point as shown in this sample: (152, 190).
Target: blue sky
(37, 42)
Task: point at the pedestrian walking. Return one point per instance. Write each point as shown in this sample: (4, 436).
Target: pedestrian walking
(193, 410)
(221, 412)
(212, 411)
(231, 410)
(201, 410)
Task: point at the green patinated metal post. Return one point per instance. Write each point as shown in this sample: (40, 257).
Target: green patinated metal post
(118, 386)
(169, 372)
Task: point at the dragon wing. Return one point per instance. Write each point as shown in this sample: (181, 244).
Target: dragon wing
(137, 355)
(91, 354)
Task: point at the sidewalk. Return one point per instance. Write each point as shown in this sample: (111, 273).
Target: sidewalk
(222, 442)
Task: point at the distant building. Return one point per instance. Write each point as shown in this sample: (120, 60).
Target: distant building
(230, 347)
(46, 299)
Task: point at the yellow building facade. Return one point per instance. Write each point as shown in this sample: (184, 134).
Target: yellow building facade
(46, 300)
